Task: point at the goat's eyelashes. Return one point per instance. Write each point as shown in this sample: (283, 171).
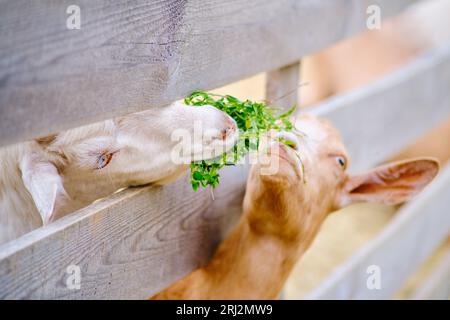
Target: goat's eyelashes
(341, 161)
(104, 159)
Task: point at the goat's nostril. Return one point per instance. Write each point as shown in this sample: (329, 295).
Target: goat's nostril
(226, 132)
(229, 127)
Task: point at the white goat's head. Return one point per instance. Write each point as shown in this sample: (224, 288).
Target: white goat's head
(70, 170)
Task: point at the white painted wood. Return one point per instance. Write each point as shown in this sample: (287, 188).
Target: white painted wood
(282, 86)
(282, 91)
(417, 229)
(129, 56)
(379, 119)
(437, 285)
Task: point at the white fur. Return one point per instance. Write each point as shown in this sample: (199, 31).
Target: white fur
(40, 182)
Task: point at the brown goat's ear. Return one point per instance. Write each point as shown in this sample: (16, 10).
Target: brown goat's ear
(391, 184)
(42, 180)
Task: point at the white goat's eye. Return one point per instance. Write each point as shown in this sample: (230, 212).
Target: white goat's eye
(103, 160)
(341, 161)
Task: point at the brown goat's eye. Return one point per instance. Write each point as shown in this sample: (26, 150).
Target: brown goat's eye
(103, 160)
(341, 161)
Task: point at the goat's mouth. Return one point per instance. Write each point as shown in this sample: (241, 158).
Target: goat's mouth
(286, 146)
(286, 161)
(216, 146)
(285, 153)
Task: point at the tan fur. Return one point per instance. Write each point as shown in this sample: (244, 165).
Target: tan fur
(283, 212)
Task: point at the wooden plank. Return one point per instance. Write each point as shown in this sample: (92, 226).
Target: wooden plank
(282, 91)
(417, 229)
(128, 246)
(437, 285)
(378, 120)
(282, 86)
(129, 56)
(169, 231)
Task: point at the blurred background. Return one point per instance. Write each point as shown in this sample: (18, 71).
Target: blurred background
(336, 70)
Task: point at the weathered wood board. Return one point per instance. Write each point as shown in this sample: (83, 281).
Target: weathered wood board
(378, 120)
(437, 284)
(282, 86)
(129, 56)
(140, 240)
(127, 247)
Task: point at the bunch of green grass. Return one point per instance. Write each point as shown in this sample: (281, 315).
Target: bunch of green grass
(252, 118)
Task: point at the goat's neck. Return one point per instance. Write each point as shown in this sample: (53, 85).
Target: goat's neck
(256, 258)
(250, 265)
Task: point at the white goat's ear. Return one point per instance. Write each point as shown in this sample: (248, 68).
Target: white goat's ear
(42, 180)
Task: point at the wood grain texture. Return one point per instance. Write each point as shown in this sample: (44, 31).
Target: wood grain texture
(282, 91)
(129, 56)
(282, 86)
(378, 120)
(417, 229)
(140, 240)
(437, 284)
(128, 246)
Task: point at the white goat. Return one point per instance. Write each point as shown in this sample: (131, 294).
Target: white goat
(44, 179)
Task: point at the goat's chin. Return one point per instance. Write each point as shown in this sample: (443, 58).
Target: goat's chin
(279, 180)
(210, 153)
(215, 148)
(283, 177)
(218, 147)
(281, 170)
(180, 171)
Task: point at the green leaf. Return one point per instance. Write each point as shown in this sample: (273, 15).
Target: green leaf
(288, 113)
(197, 176)
(252, 119)
(232, 99)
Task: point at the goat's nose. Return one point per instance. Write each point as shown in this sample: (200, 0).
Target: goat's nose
(226, 132)
(230, 128)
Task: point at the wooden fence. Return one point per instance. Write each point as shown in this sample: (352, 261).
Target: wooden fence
(131, 56)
